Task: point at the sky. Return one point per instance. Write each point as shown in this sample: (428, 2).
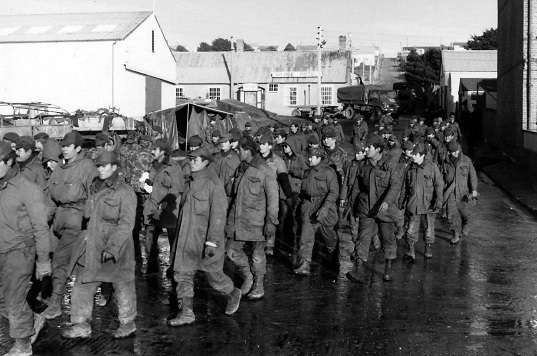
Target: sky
(388, 24)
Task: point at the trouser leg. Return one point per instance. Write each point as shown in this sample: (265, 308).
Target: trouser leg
(220, 281)
(185, 284)
(429, 231)
(464, 212)
(259, 259)
(345, 244)
(151, 241)
(413, 229)
(454, 216)
(307, 240)
(387, 230)
(82, 301)
(16, 268)
(285, 225)
(125, 298)
(367, 228)
(330, 236)
(237, 255)
(138, 227)
(61, 261)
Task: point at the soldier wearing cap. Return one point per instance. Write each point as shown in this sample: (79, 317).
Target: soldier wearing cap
(340, 136)
(208, 132)
(359, 131)
(411, 131)
(40, 139)
(226, 163)
(405, 162)
(194, 142)
(11, 138)
(247, 129)
(379, 185)
(421, 127)
(253, 216)
(318, 211)
(313, 142)
(200, 242)
(422, 199)
(28, 161)
(460, 190)
(296, 139)
(165, 186)
(234, 138)
(432, 145)
(276, 163)
(336, 157)
(24, 234)
(455, 127)
(280, 138)
(51, 155)
(68, 186)
(107, 254)
(214, 145)
(101, 139)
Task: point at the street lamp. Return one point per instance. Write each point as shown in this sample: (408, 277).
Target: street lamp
(321, 42)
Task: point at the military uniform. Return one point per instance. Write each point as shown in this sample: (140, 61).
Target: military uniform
(110, 210)
(297, 142)
(359, 133)
(225, 164)
(33, 170)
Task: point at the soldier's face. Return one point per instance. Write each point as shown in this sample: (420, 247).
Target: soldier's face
(265, 148)
(287, 149)
(215, 140)
(157, 153)
(225, 146)
(314, 160)
(418, 158)
(52, 165)
(22, 154)
(449, 138)
(109, 146)
(455, 154)
(329, 141)
(360, 155)
(70, 152)
(245, 154)
(234, 145)
(280, 139)
(294, 129)
(106, 171)
(408, 153)
(197, 164)
(372, 151)
(38, 146)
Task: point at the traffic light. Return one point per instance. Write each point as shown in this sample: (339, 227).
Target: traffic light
(321, 42)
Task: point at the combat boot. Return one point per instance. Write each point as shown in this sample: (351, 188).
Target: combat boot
(258, 291)
(186, 316)
(358, 272)
(39, 324)
(54, 309)
(387, 271)
(248, 280)
(411, 253)
(233, 301)
(124, 330)
(22, 347)
(80, 330)
(303, 269)
(428, 251)
(456, 238)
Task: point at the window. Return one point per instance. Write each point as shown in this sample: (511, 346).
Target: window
(292, 96)
(153, 41)
(179, 93)
(326, 95)
(214, 93)
(273, 87)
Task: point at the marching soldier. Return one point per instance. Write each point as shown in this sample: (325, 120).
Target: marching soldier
(422, 191)
(318, 210)
(107, 254)
(200, 241)
(253, 215)
(24, 234)
(225, 163)
(455, 127)
(296, 139)
(460, 190)
(359, 131)
(29, 162)
(68, 187)
(379, 182)
(336, 157)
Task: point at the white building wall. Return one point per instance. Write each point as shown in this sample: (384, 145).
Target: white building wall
(453, 85)
(72, 75)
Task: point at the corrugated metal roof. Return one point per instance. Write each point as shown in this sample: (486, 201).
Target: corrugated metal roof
(257, 67)
(69, 27)
(469, 61)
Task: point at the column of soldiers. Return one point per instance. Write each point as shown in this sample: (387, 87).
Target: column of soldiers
(241, 195)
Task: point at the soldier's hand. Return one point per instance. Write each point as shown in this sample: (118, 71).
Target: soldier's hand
(383, 207)
(42, 269)
(475, 194)
(342, 203)
(210, 249)
(269, 229)
(106, 257)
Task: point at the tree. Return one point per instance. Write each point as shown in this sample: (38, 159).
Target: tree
(181, 48)
(205, 47)
(487, 40)
(221, 45)
(248, 48)
(289, 47)
(269, 49)
(422, 73)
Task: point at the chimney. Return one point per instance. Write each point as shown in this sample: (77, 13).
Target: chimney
(342, 43)
(240, 45)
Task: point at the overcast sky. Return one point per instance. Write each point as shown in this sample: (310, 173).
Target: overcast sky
(388, 24)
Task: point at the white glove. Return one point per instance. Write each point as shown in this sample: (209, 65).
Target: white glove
(144, 177)
(148, 188)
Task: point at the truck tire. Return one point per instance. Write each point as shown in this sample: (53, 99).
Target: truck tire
(296, 113)
(348, 112)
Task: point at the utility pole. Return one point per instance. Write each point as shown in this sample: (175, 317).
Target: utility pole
(321, 42)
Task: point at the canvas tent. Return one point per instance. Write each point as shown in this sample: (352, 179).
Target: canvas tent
(189, 119)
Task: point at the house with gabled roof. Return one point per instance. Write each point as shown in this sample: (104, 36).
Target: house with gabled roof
(87, 61)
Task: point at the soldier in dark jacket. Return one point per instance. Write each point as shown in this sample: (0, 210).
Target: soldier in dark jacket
(253, 216)
(69, 187)
(455, 127)
(200, 244)
(107, 252)
(460, 190)
(24, 234)
(336, 157)
(296, 139)
(225, 163)
(318, 210)
(379, 187)
(29, 161)
(359, 131)
(422, 189)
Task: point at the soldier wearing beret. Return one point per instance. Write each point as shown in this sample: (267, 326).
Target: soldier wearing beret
(460, 190)
(107, 252)
(200, 242)
(29, 162)
(24, 234)
(379, 185)
(11, 138)
(318, 210)
(68, 186)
